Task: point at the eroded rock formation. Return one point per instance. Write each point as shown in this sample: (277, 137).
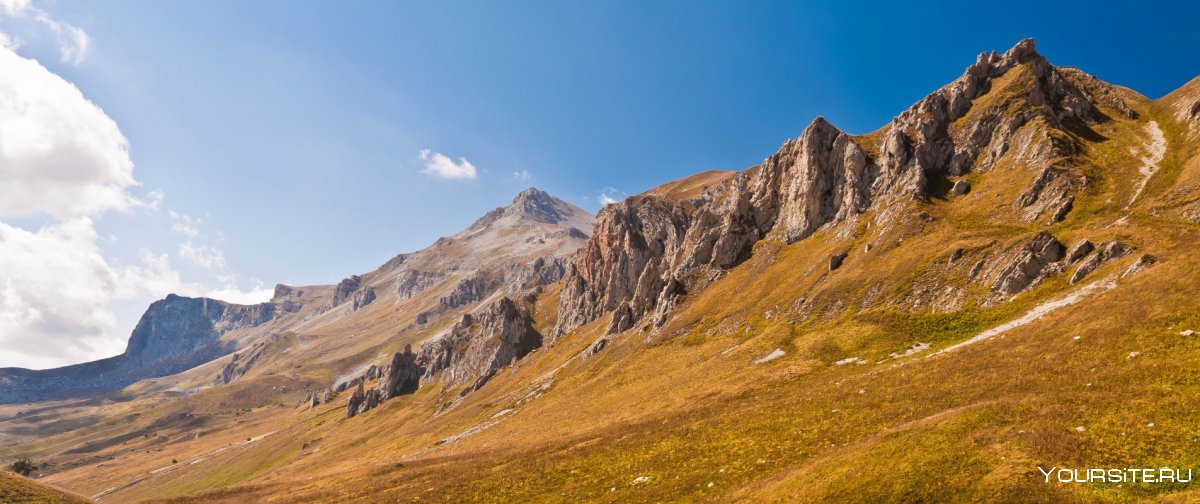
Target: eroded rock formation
(641, 245)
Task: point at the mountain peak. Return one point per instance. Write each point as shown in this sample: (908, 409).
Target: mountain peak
(1025, 50)
(536, 204)
(532, 194)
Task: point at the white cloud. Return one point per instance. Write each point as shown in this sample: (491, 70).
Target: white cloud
(521, 175)
(59, 153)
(208, 257)
(57, 290)
(7, 42)
(73, 42)
(185, 224)
(232, 294)
(438, 165)
(204, 256)
(610, 195)
(15, 8)
(63, 157)
(212, 258)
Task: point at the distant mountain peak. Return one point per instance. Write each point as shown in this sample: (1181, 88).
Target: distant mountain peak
(538, 205)
(534, 205)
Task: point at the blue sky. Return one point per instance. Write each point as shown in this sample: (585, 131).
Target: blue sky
(286, 137)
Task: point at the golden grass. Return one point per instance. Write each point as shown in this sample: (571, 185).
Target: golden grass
(685, 407)
(21, 490)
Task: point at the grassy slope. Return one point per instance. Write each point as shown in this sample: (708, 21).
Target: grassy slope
(16, 489)
(686, 406)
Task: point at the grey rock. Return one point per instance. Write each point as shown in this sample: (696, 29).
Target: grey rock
(960, 188)
(469, 290)
(357, 398)
(353, 290)
(1078, 251)
(1108, 251)
(475, 348)
(596, 347)
(1029, 264)
(835, 261)
(412, 282)
(174, 334)
(1064, 208)
(541, 271)
(402, 375)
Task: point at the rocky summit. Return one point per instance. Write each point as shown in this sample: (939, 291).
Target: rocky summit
(1000, 278)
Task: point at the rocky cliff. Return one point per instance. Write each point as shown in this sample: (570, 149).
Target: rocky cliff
(469, 353)
(1015, 107)
(175, 334)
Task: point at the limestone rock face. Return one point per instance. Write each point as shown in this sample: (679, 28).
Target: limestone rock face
(174, 334)
(412, 282)
(400, 376)
(1108, 251)
(1079, 250)
(476, 347)
(357, 399)
(825, 177)
(1030, 264)
(542, 271)
(470, 352)
(469, 290)
(353, 290)
(362, 297)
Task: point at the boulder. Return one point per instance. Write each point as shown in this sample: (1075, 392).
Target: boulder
(1078, 251)
(402, 375)
(1108, 251)
(835, 261)
(356, 400)
(960, 188)
(1029, 264)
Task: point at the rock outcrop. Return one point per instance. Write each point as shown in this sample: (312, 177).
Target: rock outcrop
(175, 334)
(353, 290)
(469, 290)
(1030, 264)
(471, 352)
(1079, 250)
(542, 271)
(357, 398)
(412, 282)
(1108, 251)
(477, 346)
(400, 376)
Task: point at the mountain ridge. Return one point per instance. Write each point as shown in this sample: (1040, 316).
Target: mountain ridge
(999, 277)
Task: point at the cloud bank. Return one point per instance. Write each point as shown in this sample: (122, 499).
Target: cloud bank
(440, 166)
(64, 161)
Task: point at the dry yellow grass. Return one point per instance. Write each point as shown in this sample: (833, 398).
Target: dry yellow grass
(683, 413)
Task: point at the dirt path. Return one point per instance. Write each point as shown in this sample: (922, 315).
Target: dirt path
(172, 467)
(1155, 150)
(1033, 314)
